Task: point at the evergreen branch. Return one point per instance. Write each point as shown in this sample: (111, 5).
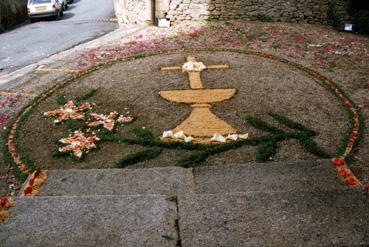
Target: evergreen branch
(147, 154)
(266, 151)
(86, 96)
(261, 125)
(193, 159)
(143, 134)
(292, 124)
(61, 100)
(311, 146)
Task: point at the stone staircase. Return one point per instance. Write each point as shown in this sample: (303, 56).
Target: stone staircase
(273, 204)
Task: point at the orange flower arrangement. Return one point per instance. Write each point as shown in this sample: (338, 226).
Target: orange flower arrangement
(68, 111)
(108, 121)
(78, 143)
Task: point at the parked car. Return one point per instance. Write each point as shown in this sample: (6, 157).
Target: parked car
(45, 8)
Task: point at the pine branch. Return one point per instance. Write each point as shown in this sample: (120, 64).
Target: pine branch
(261, 125)
(292, 124)
(147, 154)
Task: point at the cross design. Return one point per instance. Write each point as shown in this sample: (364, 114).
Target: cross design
(202, 123)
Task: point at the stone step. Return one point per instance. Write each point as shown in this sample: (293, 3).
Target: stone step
(278, 176)
(164, 181)
(283, 176)
(91, 221)
(325, 218)
(320, 218)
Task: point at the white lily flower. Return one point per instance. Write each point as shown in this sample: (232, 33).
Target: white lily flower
(180, 135)
(188, 139)
(244, 136)
(218, 138)
(232, 137)
(168, 134)
(193, 66)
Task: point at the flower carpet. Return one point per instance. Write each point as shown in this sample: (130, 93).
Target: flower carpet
(301, 94)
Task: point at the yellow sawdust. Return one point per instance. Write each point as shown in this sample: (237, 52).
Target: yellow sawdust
(195, 80)
(171, 68)
(198, 96)
(17, 94)
(46, 69)
(203, 123)
(37, 182)
(4, 210)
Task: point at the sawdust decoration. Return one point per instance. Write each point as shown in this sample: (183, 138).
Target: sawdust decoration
(33, 185)
(202, 123)
(5, 204)
(204, 96)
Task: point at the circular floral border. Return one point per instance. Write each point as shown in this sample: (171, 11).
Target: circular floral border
(349, 142)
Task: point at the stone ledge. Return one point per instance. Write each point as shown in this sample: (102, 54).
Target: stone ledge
(328, 218)
(164, 181)
(91, 221)
(279, 176)
(172, 181)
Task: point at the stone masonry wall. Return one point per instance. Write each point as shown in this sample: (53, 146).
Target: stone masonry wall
(133, 11)
(310, 11)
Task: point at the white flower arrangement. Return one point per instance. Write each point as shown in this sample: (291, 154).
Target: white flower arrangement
(179, 136)
(193, 67)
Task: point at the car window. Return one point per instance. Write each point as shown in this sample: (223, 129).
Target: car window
(40, 1)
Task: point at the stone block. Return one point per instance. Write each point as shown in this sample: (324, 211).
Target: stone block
(283, 176)
(109, 221)
(164, 181)
(329, 218)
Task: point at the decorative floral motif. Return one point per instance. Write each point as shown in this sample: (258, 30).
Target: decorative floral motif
(123, 119)
(108, 121)
(34, 183)
(218, 138)
(181, 136)
(125, 54)
(5, 204)
(178, 136)
(78, 143)
(231, 137)
(337, 162)
(193, 67)
(69, 111)
(344, 172)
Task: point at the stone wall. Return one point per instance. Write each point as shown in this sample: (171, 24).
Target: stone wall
(310, 11)
(134, 11)
(12, 12)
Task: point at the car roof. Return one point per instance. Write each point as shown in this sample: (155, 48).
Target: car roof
(39, 1)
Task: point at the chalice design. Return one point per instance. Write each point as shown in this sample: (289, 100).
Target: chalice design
(201, 124)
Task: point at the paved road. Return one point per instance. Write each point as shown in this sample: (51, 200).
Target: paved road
(32, 42)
